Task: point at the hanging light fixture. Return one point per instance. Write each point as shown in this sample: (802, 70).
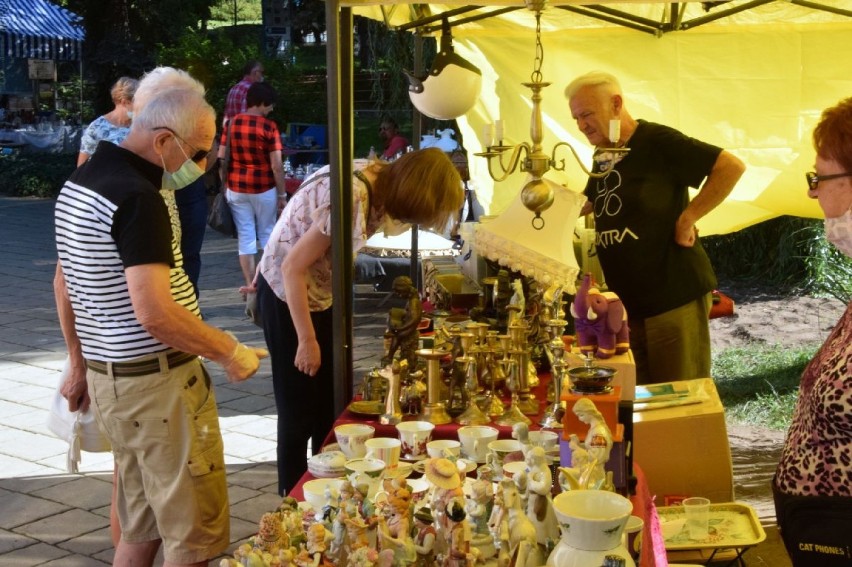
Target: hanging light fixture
(451, 87)
(537, 195)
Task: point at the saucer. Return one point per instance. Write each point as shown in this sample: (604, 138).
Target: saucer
(416, 459)
(402, 470)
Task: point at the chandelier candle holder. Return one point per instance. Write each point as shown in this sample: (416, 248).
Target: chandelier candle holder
(536, 195)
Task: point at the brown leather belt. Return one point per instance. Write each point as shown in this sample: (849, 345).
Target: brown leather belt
(150, 365)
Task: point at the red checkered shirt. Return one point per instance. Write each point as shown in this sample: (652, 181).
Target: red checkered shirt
(252, 139)
(236, 101)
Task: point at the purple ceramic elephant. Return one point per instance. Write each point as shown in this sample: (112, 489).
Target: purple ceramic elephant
(600, 321)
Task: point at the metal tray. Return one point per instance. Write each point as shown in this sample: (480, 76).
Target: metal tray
(367, 407)
(731, 525)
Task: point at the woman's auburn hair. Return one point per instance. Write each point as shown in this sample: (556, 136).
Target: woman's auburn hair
(833, 134)
(421, 187)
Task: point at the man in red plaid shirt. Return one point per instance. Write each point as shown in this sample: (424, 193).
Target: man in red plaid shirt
(236, 101)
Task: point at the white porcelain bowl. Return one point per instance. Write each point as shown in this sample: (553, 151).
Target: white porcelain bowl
(314, 491)
(591, 520)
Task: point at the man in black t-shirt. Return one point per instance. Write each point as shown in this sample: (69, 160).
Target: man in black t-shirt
(645, 231)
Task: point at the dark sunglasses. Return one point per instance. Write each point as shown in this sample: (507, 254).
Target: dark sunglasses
(814, 179)
(197, 156)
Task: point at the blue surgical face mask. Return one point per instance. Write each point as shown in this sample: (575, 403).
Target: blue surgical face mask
(187, 174)
(130, 115)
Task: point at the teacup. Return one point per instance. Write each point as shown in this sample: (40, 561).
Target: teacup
(512, 468)
(545, 439)
(365, 471)
(446, 448)
(351, 438)
(414, 435)
(500, 449)
(475, 439)
(386, 449)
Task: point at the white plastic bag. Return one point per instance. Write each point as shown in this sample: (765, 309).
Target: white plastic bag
(79, 429)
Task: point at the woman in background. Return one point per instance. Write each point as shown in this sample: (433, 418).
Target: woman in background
(813, 482)
(294, 288)
(115, 124)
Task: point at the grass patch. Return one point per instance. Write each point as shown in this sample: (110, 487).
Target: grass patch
(759, 384)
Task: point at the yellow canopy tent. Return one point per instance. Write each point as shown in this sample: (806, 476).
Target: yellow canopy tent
(753, 82)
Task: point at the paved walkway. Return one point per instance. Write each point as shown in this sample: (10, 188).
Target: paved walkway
(52, 518)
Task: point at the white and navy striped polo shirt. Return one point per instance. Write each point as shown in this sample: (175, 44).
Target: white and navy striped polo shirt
(110, 216)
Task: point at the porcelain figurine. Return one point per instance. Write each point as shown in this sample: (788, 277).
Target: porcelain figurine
(510, 522)
(459, 534)
(539, 503)
(394, 531)
(444, 476)
(598, 441)
(521, 432)
(313, 553)
(517, 304)
(424, 537)
(477, 508)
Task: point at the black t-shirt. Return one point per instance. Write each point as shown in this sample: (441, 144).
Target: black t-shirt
(636, 207)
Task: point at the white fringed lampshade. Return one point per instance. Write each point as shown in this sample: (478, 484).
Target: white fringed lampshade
(545, 255)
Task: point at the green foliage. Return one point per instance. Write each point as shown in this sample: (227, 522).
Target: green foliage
(35, 175)
(235, 12)
(759, 384)
(787, 253)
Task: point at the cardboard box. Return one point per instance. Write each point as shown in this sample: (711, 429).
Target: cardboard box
(624, 365)
(684, 450)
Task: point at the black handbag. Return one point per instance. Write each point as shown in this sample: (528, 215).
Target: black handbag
(220, 219)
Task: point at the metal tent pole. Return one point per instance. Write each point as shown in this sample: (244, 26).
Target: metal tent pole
(340, 129)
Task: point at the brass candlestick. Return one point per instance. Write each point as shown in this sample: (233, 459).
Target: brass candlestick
(471, 415)
(552, 418)
(511, 415)
(434, 410)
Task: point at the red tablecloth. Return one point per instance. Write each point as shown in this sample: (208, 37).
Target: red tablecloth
(653, 555)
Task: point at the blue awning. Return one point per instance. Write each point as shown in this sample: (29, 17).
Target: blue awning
(40, 30)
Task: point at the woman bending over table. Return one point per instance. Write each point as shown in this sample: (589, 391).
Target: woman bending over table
(294, 285)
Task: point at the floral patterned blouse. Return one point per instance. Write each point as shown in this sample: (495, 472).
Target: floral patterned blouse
(310, 205)
(101, 129)
(817, 455)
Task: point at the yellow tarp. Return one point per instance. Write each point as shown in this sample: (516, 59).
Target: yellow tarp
(754, 85)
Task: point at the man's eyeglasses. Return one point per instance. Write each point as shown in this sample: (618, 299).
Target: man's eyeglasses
(814, 179)
(198, 155)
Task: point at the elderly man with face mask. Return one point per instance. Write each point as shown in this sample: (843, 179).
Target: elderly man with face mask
(134, 338)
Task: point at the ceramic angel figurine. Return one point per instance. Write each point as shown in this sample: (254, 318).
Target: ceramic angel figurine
(477, 508)
(539, 502)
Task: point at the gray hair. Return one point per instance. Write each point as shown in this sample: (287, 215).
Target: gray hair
(179, 109)
(162, 78)
(596, 79)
